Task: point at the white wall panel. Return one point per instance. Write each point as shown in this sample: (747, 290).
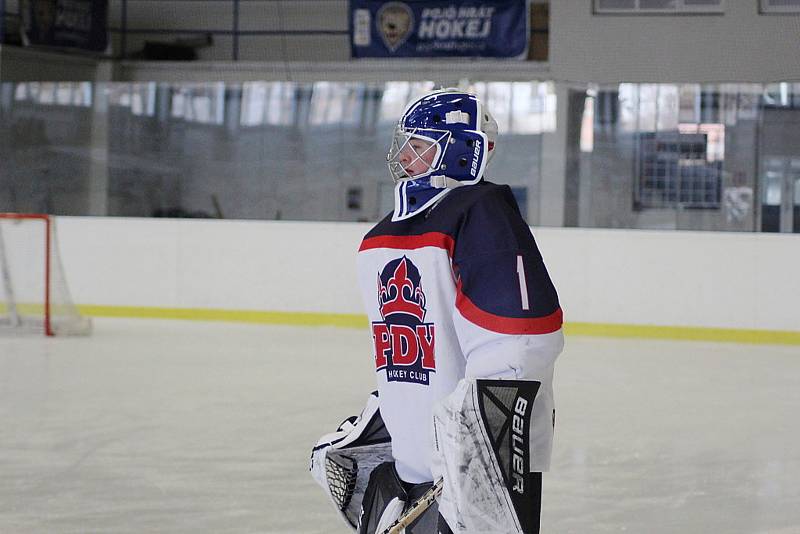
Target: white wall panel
(657, 278)
(121, 262)
(693, 279)
(776, 289)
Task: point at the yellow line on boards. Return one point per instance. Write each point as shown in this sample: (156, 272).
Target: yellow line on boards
(360, 321)
(239, 316)
(766, 337)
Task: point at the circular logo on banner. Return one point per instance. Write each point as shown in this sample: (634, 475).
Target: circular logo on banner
(395, 22)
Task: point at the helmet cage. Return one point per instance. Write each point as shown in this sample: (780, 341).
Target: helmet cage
(401, 144)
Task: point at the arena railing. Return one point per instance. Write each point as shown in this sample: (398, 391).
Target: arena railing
(235, 32)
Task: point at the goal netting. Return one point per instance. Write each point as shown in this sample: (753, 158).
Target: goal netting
(34, 296)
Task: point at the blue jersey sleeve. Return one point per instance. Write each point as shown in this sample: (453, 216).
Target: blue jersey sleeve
(502, 282)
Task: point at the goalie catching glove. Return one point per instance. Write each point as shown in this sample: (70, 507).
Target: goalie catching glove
(342, 461)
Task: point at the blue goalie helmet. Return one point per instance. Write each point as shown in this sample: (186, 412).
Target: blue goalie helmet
(444, 140)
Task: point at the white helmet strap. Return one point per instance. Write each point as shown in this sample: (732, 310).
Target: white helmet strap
(443, 182)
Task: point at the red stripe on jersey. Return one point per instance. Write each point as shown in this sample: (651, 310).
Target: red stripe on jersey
(410, 242)
(507, 325)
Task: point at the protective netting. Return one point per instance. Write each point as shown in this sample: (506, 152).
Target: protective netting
(34, 296)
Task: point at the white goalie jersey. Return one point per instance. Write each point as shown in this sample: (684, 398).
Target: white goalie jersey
(460, 291)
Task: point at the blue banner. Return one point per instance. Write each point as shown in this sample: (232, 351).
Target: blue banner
(65, 23)
(439, 28)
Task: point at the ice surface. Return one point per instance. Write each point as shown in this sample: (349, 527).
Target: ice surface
(174, 426)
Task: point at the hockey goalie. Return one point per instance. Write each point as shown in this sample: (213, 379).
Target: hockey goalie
(466, 328)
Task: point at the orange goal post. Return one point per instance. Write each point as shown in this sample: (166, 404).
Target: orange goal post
(34, 296)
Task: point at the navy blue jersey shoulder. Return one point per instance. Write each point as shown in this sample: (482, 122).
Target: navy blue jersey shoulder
(495, 258)
(448, 215)
(498, 264)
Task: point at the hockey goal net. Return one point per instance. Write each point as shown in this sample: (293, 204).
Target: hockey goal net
(34, 296)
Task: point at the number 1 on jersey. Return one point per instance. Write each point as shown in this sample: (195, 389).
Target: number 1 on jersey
(523, 285)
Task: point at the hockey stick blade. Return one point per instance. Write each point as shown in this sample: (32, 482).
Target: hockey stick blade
(416, 510)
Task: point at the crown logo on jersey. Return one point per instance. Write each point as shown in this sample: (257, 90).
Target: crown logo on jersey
(402, 290)
(404, 344)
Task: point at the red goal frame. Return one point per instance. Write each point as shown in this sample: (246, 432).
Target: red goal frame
(47, 245)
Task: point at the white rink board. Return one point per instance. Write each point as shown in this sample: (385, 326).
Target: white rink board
(633, 277)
